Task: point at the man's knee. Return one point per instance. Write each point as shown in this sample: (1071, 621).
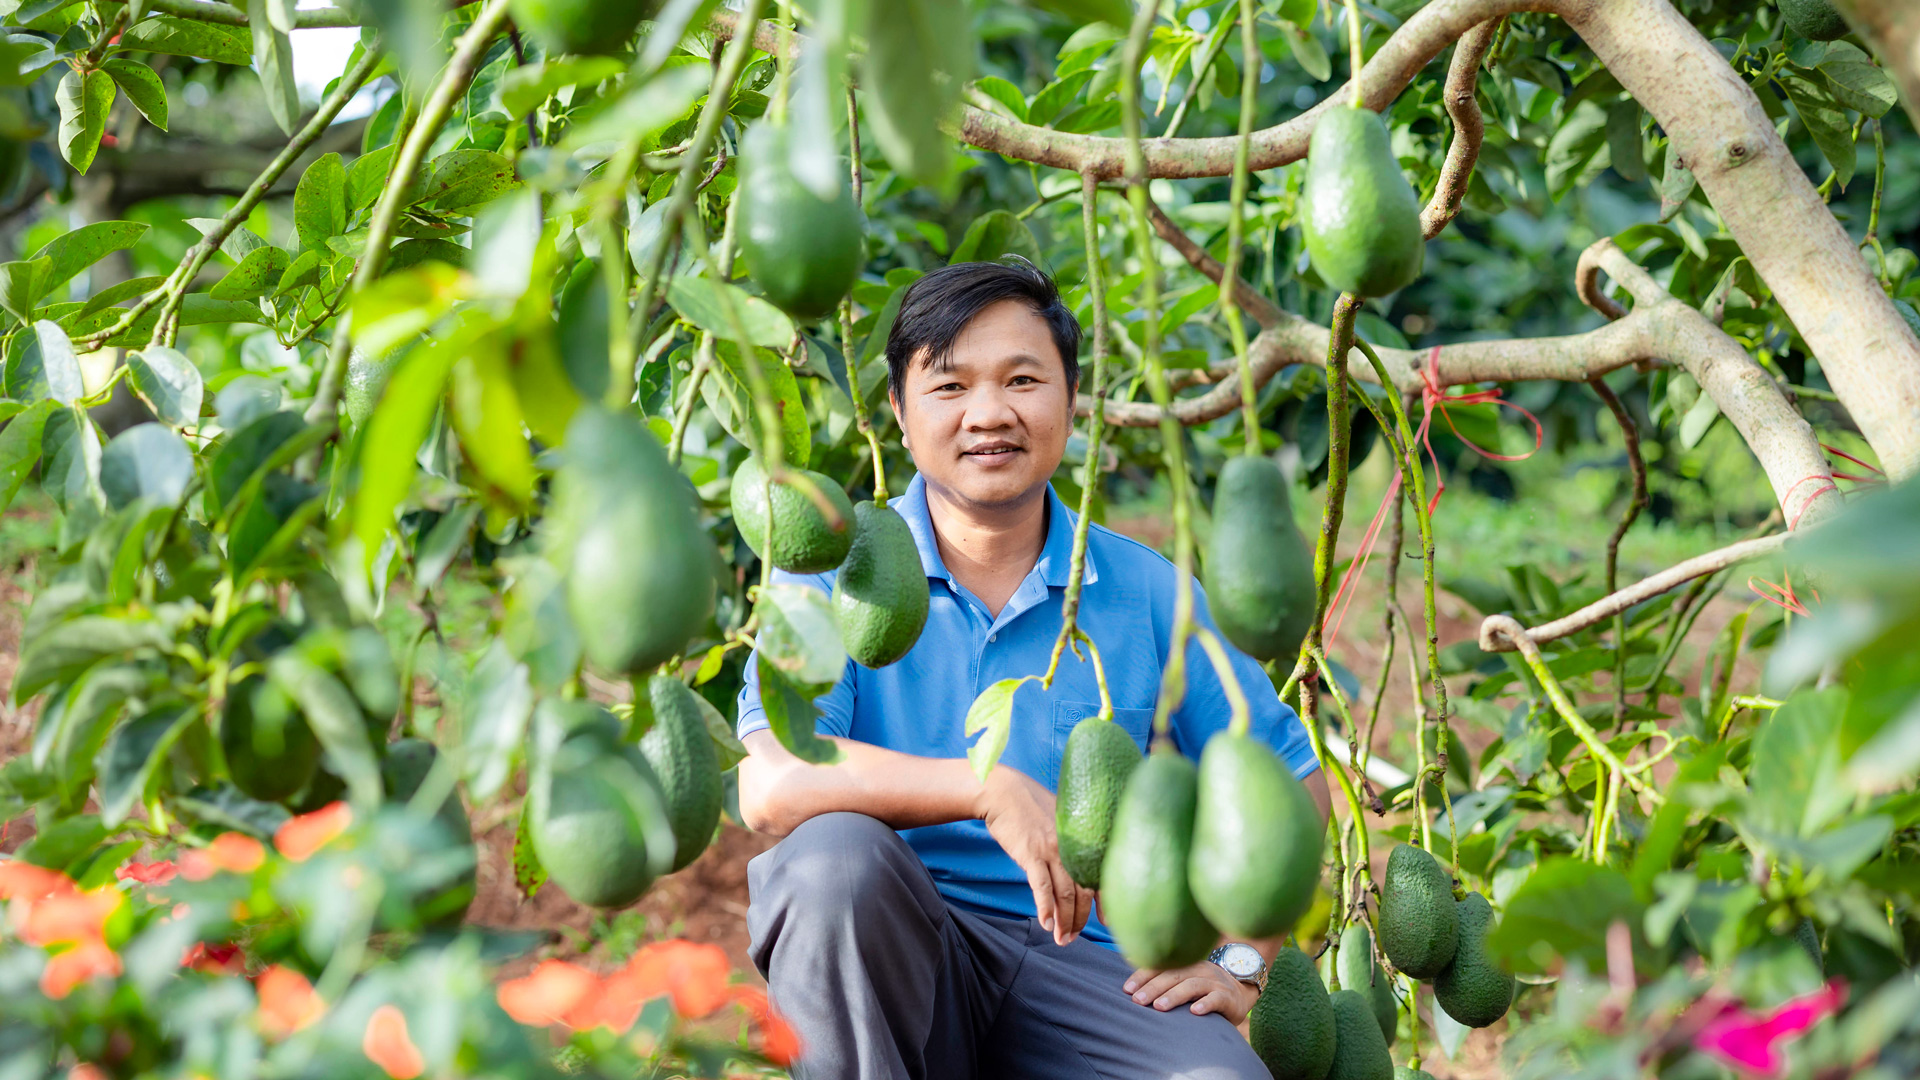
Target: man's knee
(838, 864)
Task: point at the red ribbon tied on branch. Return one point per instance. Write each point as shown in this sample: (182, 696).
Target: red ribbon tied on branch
(1432, 394)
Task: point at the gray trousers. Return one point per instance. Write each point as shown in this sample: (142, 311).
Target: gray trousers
(883, 980)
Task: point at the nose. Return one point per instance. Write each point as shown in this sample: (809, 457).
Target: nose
(989, 408)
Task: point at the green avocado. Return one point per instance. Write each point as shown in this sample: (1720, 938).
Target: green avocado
(1146, 901)
(1472, 988)
(1359, 971)
(1402, 1072)
(803, 251)
(271, 752)
(804, 541)
(1259, 568)
(1257, 840)
(1094, 768)
(681, 753)
(880, 594)
(1359, 1053)
(596, 817)
(591, 27)
(1291, 1026)
(1815, 20)
(1361, 219)
(1418, 923)
(402, 771)
(637, 566)
(366, 379)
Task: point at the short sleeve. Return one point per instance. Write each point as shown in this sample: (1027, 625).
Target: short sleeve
(1206, 711)
(836, 705)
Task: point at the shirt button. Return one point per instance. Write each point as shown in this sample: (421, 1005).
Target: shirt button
(994, 638)
(1073, 714)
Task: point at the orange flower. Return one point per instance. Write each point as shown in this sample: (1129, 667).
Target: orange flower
(696, 975)
(300, 837)
(147, 873)
(66, 917)
(21, 880)
(775, 1038)
(66, 970)
(287, 1002)
(387, 1045)
(233, 852)
(218, 960)
(547, 994)
(616, 1006)
(86, 1070)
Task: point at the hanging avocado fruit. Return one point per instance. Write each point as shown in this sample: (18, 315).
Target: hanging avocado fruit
(1362, 219)
(803, 251)
(402, 771)
(1359, 1053)
(1815, 20)
(681, 753)
(804, 541)
(638, 567)
(271, 752)
(1472, 988)
(1257, 839)
(1094, 768)
(1419, 927)
(1146, 901)
(880, 595)
(1359, 971)
(1259, 569)
(587, 27)
(1291, 1026)
(595, 814)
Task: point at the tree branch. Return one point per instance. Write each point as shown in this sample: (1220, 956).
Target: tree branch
(229, 15)
(1495, 635)
(1463, 79)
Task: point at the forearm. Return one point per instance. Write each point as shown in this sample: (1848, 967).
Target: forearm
(779, 791)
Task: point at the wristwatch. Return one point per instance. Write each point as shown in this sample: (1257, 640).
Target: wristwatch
(1242, 961)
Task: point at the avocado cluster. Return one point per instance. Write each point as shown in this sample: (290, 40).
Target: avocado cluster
(1428, 934)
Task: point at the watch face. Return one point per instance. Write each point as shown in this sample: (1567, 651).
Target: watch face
(1240, 961)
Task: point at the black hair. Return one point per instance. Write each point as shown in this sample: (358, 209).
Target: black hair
(938, 307)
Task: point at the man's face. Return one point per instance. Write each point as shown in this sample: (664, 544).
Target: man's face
(991, 428)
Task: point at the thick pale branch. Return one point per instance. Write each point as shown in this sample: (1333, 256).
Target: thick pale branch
(1417, 42)
(1469, 127)
(1496, 634)
(1779, 436)
(229, 15)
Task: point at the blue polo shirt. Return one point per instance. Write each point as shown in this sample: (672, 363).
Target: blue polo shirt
(918, 704)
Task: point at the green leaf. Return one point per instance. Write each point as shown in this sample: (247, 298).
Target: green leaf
(1623, 140)
(399, 422)
(1560, 915)
(146, 461)
(731, 397)
(528, 874)
(320, 202)
(1004, 92)
(257, 275)
(1056, 96)
(991, 717)
(1308, 52)
(437, 550)
(919, 55)
(60, 844)
(644, 110)
(399, 307)
(190, 37)
(1856, 81)
(245, 451)
(1111, 12)
(75, 645)
(1669, 824)
(499, 704)
(1699, 419)
(131, 755)
(1794, 781)
(336, 721)
(1825, 119)
(273, 58)
(143, 87)
(21, 288)
(46, 368)
(306, 269)
(84, 101)
(524, 88)
(996, 233)
(798, 636)
(366, 176)
(463, 179)
(485, 410)
(725, 742)
(72, 252)
(20, 448)
(1580, 138)
(790, 715)
(1675, 186)
(227, 808)
(704, 303)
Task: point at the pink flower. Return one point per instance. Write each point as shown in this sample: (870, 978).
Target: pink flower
(1752, 1042)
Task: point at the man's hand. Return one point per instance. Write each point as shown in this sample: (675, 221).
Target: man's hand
(1019, 814)
(1206, 984)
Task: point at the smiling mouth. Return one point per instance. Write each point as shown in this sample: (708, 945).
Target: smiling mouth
(992, 451)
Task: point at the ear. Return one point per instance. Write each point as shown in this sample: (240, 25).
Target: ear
(894, 400)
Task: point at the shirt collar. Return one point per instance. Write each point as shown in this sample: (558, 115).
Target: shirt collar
(1056, 557)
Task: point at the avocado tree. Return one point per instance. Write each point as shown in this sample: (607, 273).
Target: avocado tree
(592, 315)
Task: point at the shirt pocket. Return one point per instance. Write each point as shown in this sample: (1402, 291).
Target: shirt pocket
(1137, 723)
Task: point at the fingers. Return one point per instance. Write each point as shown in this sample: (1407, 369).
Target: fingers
(1069, 905)
(1152, 989)
(1187, 990)
(1085, 898)
(1040, 880)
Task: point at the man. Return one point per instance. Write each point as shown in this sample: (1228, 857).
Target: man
(915, 922)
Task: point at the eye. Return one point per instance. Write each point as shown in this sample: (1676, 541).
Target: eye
(1025, 380)
(948, 388)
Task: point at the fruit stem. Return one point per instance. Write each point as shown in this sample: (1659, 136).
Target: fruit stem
(1173, 679)
(1309, 694)
(1355, 39)
(861, 421)
(1239, 717)
(1530, 652)
(1638, 468)
(1096, 429)
(1250, 62)
(782, 64)
(447, 93)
